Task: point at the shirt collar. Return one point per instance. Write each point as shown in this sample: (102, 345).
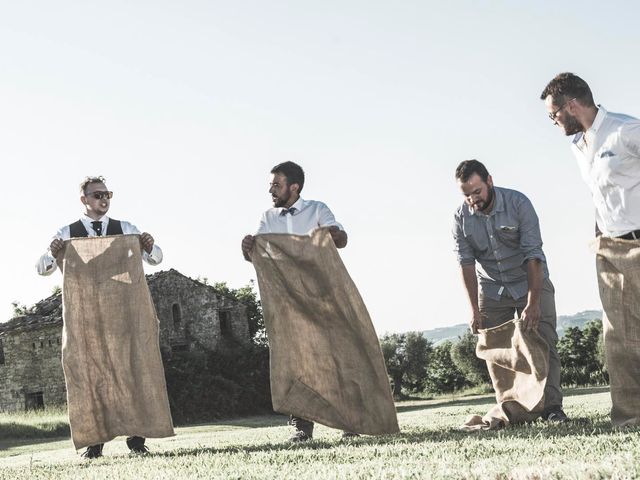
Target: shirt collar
(597, 123)
(88, 219)
(298, 205)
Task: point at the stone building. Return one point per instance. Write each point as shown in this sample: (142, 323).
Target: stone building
(192, 315)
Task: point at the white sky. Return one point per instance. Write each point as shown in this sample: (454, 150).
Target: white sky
(185, 106)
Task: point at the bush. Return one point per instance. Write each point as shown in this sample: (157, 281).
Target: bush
(443, 375)
(204, 386)
(463, 354)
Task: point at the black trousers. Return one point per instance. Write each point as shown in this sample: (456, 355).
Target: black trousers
(301, 424)
(132, 442)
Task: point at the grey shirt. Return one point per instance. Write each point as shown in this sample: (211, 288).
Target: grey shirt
(501, 243)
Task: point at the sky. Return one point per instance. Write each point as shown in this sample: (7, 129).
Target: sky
(186, 106)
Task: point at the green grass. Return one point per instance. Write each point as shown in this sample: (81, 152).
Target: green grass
(428, 447)
(37, 424)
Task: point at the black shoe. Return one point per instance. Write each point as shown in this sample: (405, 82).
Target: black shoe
(349, 435)
(555, 415)
(301, 436)
(139, 450)
(94, 451)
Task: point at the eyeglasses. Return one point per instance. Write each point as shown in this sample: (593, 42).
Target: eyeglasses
(555, 113)
(100, 195)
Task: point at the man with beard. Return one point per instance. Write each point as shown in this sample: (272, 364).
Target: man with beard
(499, 250)
(607, 148)
(96, 199)
(293, 215)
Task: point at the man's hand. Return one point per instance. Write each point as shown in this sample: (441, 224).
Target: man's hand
(247, 246)
(531, 317)
(56, 247)
(339, 236)
(476, 322)
(146, 242)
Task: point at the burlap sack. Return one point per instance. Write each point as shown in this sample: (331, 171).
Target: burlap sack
(110, 352)
(326, 362)
(518, 363)
(618, 267)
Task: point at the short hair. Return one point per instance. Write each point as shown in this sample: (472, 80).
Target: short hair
(89, 180)
(468, 168)
(566, 86)
(292, 171)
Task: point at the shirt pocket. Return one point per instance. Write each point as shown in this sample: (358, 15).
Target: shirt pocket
(509, 235)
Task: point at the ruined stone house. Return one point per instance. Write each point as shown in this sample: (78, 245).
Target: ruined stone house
(192, 315)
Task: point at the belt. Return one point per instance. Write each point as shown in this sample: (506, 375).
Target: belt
(635, 235)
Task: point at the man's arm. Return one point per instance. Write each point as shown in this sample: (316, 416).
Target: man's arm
(471, 286)
(151, 252)
(47, 262)
(532, 313)
(327, 219)
(466, 259)
(247, 246)
(531, 246)
(339, 237)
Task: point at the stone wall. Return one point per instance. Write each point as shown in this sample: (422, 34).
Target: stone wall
(32, 372)
(192, 315)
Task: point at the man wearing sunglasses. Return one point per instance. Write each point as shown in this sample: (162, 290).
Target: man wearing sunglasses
(607, 148)
(96, 199)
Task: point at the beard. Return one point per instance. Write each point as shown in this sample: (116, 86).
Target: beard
(482, 205)
(281, 201)
(571, 125)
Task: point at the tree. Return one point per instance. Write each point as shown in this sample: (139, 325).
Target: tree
(463, 353)
(406, 357)
(248, 296)
(578, 351)
(443, 375)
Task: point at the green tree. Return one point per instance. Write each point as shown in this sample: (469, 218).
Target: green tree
(578, 350)
(463, 353)
(443, 375)
(249, 297)
(406, 357)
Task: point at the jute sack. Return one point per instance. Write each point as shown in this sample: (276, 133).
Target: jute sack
(518, 363)
(618, 267)
(326, 362)
(110, 352)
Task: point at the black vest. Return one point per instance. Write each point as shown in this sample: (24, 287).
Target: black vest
(77, 229)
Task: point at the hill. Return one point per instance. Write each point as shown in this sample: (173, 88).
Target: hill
(439, 335)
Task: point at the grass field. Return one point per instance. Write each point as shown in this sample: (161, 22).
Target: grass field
(428, 447)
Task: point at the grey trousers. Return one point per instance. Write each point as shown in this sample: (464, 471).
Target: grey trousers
(497, 312)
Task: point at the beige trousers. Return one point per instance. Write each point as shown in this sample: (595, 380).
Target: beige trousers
(618, 267)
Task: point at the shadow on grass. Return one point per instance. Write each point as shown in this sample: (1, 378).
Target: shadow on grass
(534, 431)
(22, 431)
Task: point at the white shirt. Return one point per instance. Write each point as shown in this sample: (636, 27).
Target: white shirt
(608, 155)
(47, 264)
(309, 215)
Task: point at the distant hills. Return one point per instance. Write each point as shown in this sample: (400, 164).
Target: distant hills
(439, 335)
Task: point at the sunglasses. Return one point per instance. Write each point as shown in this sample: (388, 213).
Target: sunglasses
(100, 195)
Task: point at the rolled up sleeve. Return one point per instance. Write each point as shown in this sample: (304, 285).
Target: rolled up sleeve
(530, 237)
(462, 248)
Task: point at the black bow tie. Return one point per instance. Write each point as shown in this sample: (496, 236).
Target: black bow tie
(97, 227)
(290, 211)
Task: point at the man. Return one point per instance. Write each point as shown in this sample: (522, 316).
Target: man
(607, 148)
(96, 199)
(499, 250)
(294, 215)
